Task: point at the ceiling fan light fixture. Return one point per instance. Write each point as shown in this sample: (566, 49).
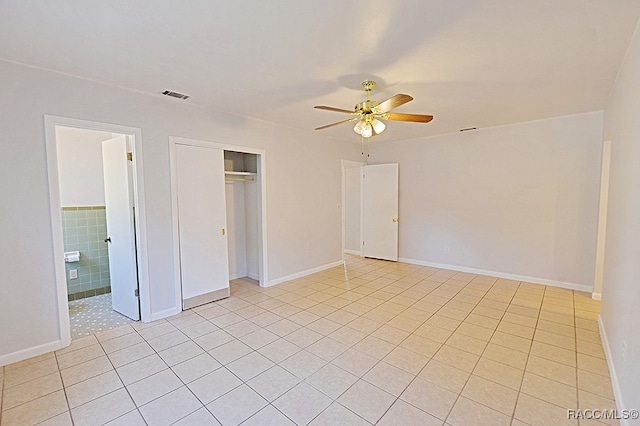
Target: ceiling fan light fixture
(378, 126)
(367, 131)
(369, 113)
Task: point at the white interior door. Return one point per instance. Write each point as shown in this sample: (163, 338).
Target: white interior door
(202, 222)
(380, 211)
(120, 227)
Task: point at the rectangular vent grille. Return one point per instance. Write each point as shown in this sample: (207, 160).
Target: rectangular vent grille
(175, 94)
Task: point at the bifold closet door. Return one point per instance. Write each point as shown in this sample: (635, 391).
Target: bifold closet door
(202, 222)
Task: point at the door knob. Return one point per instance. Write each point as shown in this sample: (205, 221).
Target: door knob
(395, 220)
(107, 240)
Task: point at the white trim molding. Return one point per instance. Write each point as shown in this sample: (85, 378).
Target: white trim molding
(305, 273)
(615, 384)
(602, 219)
(534, 280)
(31, 352)
(50, 124)
(343, 170)
(165, 313)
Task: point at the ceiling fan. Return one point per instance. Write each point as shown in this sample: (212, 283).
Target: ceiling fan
(369, 113)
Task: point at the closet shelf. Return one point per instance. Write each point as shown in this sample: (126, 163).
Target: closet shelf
(227, 172)
(239, 176)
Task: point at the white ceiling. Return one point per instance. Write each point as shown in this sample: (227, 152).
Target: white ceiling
(468, 62)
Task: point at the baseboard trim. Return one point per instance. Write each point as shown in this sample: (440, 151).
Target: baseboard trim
(305, 273)
(354, 252)
(164, 314)
(535, 280)
(246, 275)
(615, 384)
(596, 296)
(30, 352)
(202, 299)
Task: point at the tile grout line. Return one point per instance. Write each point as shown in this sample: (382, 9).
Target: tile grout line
(2, 371)
(524, 369)
(391, 286)
(398, 345)
(575, 332)
(480, 356)
(432, 357)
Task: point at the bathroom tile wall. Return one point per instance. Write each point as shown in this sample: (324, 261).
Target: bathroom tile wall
(84, 229)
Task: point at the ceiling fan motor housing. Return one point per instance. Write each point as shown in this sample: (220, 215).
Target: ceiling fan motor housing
(365, 107)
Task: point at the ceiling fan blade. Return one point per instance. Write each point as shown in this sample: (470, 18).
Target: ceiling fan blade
(393, 102)
(335, 124)
(328, 108)
(417, 118)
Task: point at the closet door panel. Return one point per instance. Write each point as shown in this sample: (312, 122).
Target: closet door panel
(202, 224)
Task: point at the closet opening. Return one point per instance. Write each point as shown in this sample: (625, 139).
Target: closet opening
(219, 219)
(241, 195)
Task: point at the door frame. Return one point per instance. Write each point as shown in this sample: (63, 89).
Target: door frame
(50, 124)
(345, 165)
(596, 293)
(262, 216)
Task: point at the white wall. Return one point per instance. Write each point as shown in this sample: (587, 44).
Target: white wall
(516, 200)
(352, 214)
(242, 226)
(80, 166)
(620, 313)
(251, 207)
(236, 235)
(303, 187)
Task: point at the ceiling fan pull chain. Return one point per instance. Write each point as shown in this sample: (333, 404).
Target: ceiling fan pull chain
(366, 158)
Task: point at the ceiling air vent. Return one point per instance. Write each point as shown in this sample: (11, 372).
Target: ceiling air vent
(175, 94)
(468, 128)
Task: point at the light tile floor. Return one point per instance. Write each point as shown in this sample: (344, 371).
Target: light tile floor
(373, 343)
(92, 315)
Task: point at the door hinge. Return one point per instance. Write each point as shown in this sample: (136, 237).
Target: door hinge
(136, 292)
(130, 156)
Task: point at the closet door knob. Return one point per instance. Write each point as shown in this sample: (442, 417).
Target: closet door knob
(107, 240)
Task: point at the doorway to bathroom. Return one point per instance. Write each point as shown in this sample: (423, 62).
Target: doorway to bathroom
(96, 195)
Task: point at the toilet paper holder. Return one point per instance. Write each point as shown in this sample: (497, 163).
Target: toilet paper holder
(71, 256)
